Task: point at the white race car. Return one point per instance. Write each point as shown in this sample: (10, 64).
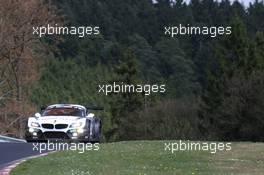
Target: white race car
(64, 122)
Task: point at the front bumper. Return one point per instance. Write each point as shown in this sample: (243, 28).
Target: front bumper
(41, 134)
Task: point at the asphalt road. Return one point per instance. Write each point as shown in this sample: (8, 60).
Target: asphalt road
(12, 149)
(10, 152)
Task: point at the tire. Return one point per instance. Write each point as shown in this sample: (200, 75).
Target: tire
(97, 126)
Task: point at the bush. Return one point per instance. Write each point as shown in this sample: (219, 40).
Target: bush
(171, 119)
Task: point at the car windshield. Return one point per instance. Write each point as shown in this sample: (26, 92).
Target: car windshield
(64, 112)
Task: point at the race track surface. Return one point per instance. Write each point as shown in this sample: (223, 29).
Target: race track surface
(12, 150)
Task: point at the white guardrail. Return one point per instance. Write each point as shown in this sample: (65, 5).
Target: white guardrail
(10, 139)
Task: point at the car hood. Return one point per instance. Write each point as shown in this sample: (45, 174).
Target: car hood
(58, 119)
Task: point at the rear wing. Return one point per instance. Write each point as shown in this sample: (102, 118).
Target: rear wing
(88, 108)
(96, 108)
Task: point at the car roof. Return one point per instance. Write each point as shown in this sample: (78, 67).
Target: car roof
(66, 106)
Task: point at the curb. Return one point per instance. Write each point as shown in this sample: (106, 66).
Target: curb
(7, 170)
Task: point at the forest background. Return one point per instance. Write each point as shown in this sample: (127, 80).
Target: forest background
(214, 86)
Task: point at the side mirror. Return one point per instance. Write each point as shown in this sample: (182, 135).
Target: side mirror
(43, 108)
(37, 115)
(90, 115)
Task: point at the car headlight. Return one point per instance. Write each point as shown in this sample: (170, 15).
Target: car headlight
(76, 125)
(80, 130)
(35, 124)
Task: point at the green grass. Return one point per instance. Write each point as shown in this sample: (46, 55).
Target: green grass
(148, 158)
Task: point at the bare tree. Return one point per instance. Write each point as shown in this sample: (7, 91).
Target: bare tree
(19, 61)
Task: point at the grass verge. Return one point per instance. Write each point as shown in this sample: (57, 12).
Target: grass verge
(148, 158)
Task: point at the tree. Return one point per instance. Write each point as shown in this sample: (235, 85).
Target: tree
(19, 63)
(125, 103)
(147, 58)
(239, 116)
(232, 91)
(175, 68)
(255, 17)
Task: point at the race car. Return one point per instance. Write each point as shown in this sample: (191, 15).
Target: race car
(64, 122)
